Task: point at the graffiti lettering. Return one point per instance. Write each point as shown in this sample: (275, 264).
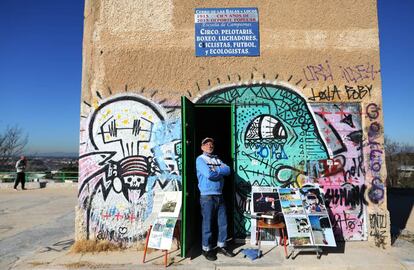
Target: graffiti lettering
(378, 225)
(351, 223)
(376, 191)
(357, 169)
(318, 72)
(351, 73)
(377, 221)
(358, 73)
(327, 94)
(333, 92)
(372, 111)
(359, 92)
(343, 177)
(348, 196)
(274, 152)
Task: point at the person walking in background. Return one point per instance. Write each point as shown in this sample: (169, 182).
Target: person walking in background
(210, 172)
(20, 169)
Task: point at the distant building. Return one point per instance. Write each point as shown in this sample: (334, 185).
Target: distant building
(405, 171)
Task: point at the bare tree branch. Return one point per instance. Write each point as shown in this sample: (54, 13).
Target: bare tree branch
(12, 143)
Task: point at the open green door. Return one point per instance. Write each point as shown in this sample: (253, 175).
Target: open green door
(189, 177)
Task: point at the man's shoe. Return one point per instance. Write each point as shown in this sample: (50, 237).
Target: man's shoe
(209, 255)
(225, 252)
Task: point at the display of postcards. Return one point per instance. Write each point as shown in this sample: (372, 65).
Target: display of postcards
(289, 194)
(162, 233)
(170, 223)
(298, 229)
(155, 240)
(266, 202)
(300, 241)
(293, 207)
(168, 233)
(313, 200)
(322, 230)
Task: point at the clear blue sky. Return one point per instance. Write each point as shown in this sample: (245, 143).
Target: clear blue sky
(41, 67)
(396, 26)
(41, 71)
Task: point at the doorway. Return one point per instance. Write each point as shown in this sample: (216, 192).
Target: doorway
(213, 121)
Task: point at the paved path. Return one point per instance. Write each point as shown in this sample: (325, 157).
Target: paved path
(35, 219)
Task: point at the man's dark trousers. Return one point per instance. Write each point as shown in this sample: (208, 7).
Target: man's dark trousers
(20, 177)
(212, 205)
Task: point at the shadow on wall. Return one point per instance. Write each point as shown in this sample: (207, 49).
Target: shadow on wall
(400, 204)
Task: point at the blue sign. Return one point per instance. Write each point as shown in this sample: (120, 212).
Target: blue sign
(227, 32)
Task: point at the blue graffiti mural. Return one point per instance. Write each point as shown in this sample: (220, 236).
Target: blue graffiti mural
(276, 135)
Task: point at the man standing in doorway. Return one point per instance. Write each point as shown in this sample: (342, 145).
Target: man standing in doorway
(210, 172)
(20, 168)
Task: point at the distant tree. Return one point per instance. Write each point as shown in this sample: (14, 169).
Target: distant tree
(397, 154)
(391, 147)
(12, 143)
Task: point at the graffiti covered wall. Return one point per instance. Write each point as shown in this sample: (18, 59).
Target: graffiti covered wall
(281, 140)
(307, 111)
(129, 151)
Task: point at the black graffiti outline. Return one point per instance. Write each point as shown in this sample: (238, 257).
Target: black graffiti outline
(336, 134)
(121, 98)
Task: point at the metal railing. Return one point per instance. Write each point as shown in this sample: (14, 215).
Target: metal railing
(60, 176)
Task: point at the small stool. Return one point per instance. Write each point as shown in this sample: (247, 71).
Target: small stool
(263, 225)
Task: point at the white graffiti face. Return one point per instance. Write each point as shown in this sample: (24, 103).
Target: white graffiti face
(124, 126)
(131, 153)
(134, 181)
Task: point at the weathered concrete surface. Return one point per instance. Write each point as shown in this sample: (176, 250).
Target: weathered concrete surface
(35, 219)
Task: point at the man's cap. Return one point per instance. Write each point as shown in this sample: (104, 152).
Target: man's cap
(206, 140)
